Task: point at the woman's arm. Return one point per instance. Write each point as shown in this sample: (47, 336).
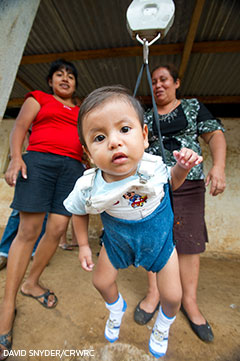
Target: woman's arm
(216, 176)
(27, 114)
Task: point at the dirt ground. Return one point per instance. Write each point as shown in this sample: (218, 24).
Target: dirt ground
(78, 321)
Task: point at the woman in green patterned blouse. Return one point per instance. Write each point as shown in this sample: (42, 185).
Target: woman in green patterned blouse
(181, 123)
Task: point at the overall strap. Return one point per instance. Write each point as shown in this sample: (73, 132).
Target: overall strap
(89, 177)
(146, 168)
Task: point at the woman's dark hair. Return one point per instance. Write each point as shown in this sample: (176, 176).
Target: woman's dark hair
(63, 64)
(99, 96)
(171, 68)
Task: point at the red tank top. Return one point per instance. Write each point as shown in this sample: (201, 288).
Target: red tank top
(54, 130)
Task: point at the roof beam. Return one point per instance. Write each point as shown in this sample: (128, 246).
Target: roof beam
(24, 84)
(127, 51)
(226, 46)
(15, 103)
(191, 36)
(218, 99)
(210, 99)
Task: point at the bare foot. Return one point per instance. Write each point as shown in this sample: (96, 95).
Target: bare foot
(194, 313)
(66, 246)
(149, 303)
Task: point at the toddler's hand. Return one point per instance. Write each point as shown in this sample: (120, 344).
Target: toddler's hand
(85, 258)
(187, 158)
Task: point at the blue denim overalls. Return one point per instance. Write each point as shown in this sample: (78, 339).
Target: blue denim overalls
(147, 242)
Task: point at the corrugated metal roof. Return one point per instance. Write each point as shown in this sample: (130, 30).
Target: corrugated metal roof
(212, 75)
(219, 21)
(73, 25)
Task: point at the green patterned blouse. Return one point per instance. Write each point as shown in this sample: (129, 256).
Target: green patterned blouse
(181, 128)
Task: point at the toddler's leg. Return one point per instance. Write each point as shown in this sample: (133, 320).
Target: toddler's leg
(158, 342)
(117, 310)
(169, 285)
(104, 279)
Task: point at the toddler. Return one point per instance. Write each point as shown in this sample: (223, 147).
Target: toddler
(129, 188)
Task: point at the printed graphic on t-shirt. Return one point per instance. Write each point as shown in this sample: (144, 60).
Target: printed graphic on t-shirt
(135, 200)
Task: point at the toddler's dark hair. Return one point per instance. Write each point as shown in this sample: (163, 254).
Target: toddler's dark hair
(99, 96)
(63, 64)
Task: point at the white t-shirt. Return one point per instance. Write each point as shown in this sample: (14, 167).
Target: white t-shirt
(127, 198)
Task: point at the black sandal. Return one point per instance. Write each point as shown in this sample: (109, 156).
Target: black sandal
(6, 341)
(142, 317)
(204, 331)
(45, 296)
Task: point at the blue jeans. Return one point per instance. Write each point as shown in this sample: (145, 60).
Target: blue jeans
(10, 233)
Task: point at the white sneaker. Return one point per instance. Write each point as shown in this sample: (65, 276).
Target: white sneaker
(158, 342)
(112, 327)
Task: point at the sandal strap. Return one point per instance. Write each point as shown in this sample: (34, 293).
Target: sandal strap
(45, 297)
(5, 342)
(45, 294)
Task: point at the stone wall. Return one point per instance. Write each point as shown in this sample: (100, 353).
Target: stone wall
(222, 212)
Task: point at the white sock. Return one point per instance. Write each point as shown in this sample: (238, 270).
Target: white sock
(113, 324)
(158, 342)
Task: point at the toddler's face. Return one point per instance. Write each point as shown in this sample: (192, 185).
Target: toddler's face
(115, 138)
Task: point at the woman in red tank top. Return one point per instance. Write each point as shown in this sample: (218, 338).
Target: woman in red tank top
(43, 178)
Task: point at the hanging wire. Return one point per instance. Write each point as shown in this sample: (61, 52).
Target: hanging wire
(155, 112)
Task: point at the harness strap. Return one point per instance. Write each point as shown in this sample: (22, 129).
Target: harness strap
(146, 170)
(89, 177)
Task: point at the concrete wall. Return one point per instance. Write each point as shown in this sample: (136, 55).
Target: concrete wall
(6, 192)
(222, 212)
(16, 19)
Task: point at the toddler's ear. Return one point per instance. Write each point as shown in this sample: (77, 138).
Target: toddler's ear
(146, 144)
(145, 136)
(88, 154)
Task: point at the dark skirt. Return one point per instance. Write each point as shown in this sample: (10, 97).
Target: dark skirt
(190, 232)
